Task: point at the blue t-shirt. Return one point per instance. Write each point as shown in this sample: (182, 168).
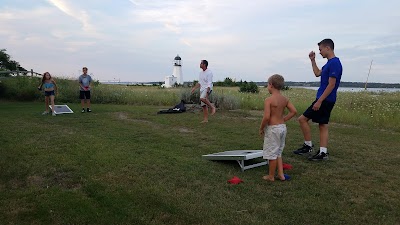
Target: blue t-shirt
(85, 81)
(332, 68)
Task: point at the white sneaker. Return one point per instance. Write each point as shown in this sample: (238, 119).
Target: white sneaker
(45, 113)
(53, 114)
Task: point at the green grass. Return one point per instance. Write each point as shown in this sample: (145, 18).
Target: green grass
(124, 164)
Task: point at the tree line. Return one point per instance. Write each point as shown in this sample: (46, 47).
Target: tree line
(8, 64)
(244, 86)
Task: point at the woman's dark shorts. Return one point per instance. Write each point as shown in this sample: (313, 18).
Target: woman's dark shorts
(49, 93)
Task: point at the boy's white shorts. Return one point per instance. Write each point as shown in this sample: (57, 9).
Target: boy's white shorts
(274, 141)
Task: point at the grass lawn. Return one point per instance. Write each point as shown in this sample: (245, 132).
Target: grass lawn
(125, 164)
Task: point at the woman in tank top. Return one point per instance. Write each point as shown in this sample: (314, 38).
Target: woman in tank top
(50, 89)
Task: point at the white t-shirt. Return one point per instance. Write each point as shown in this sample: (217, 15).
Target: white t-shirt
(205, 80)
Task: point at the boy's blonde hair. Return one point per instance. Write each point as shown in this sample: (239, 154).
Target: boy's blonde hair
(277, 81)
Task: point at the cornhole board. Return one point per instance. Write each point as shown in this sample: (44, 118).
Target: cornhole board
(61, 109)
(240, 156)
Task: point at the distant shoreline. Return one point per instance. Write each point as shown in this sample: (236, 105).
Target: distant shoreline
(287, 83)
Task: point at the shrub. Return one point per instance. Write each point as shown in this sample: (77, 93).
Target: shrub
(220, 100)
(21, 88)
(249, 87)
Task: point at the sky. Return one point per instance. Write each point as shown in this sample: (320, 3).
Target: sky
(137, 40)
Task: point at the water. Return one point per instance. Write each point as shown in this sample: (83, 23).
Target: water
(119, 82)
(353, 89)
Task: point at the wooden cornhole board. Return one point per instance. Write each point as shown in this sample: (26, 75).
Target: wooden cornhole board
(240, 156)
(61, 109)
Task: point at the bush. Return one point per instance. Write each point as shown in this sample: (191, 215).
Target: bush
(221, 101)
(249, 87)
(21, 88)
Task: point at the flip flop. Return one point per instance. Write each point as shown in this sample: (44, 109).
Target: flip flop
(287, 178)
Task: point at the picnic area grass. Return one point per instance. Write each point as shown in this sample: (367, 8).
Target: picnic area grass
(125, 164)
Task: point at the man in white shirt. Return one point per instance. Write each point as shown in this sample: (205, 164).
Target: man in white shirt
(205, 84)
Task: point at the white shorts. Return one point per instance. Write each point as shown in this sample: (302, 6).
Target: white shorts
(203, 94)
(274, 141)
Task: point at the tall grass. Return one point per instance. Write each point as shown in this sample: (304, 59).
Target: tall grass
(19, 88)
(357, 108)
(380, 109)
(24, 89)
(375, 109)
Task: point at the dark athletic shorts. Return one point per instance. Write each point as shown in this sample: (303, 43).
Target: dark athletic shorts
(322, 115)
(49, 93)
(84, 95)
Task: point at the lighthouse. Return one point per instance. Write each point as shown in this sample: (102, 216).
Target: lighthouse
(176, 77)
(177, 72)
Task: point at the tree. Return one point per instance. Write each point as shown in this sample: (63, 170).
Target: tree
(6, 63)
(249, 87)
(228, 82)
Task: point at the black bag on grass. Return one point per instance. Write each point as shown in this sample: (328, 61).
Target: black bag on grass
(180, 108)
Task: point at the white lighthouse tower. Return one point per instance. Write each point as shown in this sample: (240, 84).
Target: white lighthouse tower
(177, 72)
(176, 77)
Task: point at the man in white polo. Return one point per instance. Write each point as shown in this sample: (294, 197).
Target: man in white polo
(205, 84)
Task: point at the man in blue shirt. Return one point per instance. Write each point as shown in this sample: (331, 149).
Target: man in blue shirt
(320, 110)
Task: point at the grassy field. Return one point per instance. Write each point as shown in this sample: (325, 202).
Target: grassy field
(363, 109)
(124, 164)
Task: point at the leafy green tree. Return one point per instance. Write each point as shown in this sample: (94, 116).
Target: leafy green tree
(228, 82)
(6, 63)
(249, 87)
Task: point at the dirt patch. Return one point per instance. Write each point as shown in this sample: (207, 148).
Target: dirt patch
(258, 113)
(16, 183)
(35, 181)
(122, 115)
(193, 108)
(253, 118)
(30, 181)
(239, 117)
(185, 130)
(64, 180)
(18, 207)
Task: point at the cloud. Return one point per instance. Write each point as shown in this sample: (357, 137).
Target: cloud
(186, 42)
(134, 2)
(137, 39)
(7, 16)
(78, 14)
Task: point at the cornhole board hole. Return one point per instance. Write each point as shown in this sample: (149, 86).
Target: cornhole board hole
(240, 156)
(61, 109)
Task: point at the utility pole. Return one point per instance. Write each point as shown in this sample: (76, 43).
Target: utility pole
(366, 82)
